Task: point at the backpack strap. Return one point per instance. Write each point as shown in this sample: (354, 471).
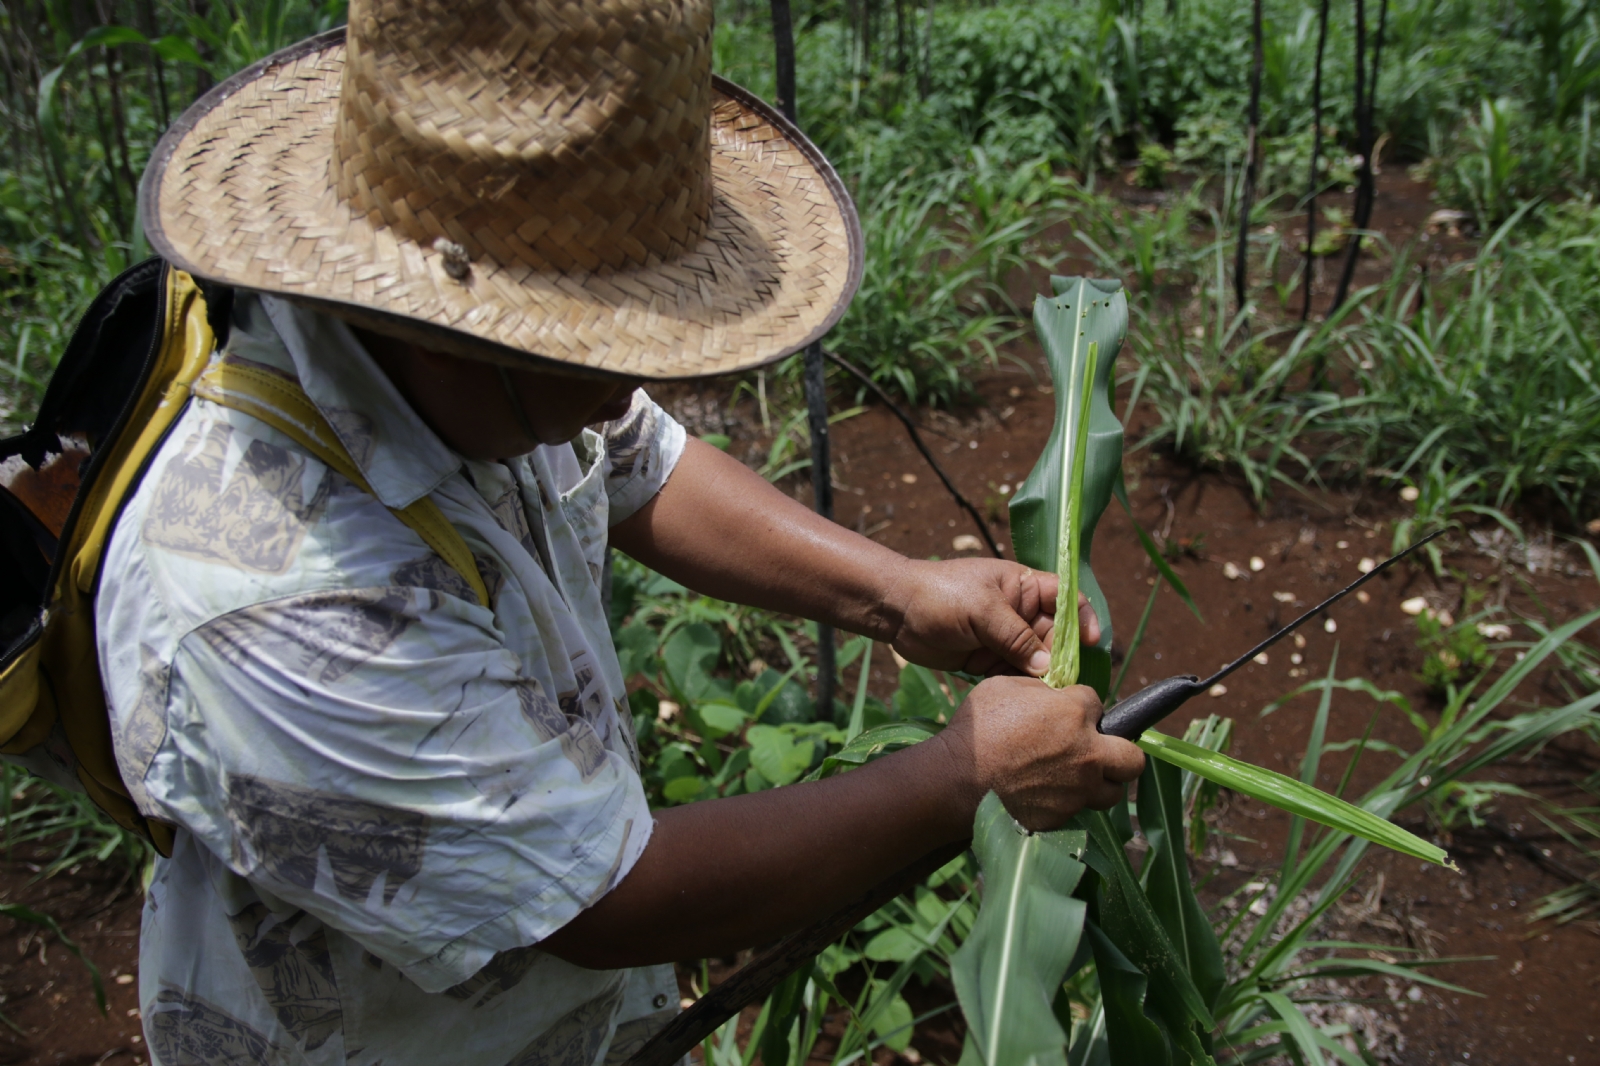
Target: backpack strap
(282, 404)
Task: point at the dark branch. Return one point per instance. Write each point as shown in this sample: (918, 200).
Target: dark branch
(916, 438)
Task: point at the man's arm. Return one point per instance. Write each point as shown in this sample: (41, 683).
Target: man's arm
(723, 530)
(727, 874)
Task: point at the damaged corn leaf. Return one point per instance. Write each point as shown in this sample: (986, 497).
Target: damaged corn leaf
(1055, 510)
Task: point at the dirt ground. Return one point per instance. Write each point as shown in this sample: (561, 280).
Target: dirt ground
(1537, 984)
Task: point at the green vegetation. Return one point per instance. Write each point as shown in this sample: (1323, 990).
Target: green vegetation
(986, 144)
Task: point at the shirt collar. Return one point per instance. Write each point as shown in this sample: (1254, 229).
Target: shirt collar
(403, 460)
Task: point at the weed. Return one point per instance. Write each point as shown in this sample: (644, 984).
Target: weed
(1449, 653)
(1494, 377)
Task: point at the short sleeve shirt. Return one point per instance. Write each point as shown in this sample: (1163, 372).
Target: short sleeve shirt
(386, 793)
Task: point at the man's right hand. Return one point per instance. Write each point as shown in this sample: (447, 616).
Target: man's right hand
(1039, 750)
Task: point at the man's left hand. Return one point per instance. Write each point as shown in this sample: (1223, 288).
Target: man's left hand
(984, 616)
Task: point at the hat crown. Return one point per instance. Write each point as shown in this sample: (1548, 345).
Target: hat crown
(574, 135)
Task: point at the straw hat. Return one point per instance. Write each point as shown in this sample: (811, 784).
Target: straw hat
(517, 180)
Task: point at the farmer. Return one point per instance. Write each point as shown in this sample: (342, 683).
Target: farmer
(410, 826)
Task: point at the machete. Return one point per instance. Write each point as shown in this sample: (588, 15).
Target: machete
(755, 979)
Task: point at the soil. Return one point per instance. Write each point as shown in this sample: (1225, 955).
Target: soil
(1536, 983)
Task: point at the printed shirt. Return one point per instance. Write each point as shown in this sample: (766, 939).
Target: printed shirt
(386, 794)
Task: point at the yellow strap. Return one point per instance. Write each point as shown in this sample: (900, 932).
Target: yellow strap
(284, 406)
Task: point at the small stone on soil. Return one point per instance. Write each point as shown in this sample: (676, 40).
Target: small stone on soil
(1257, 563)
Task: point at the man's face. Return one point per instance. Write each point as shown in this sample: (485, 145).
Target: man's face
(486, 413)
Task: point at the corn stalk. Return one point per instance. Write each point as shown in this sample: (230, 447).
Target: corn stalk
(1054, 901)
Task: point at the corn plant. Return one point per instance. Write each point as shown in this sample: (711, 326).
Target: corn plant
(1054, 901)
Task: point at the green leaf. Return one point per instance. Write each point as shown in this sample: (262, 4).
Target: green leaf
(1134, 1039)
(880, 740)
(684, 789)
(1297, 1024)
(894, 944)
(721, 718)
(1085, 312)
(920, 696)
(1286, 793)
(784, 1006)
(893, 1022)
(689, 658)
(1007, 971)
(1167, 882)
(1127, 917)
(175, 49)
(780, 756)
(19, 913)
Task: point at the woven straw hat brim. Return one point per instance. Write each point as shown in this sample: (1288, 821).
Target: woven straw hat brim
(239, 192)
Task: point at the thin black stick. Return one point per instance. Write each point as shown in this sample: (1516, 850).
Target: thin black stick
(158, 70)
(816, 381)
(916, 438)
(1241, 261)
(815, 373)
(925, 74)
(1316, 154)
(783, 49)
(1366, 98)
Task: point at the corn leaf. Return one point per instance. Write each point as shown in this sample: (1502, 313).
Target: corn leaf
(1029, 926)
(1167, 883)
(1007, 972)
(1128, 918)
(1132, 1037)
(1083, 313)
(1296, 797)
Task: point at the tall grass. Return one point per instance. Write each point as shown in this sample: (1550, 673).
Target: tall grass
(1495, 372)
(1488, 376)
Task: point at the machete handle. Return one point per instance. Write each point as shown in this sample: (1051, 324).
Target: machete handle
(1130, 717)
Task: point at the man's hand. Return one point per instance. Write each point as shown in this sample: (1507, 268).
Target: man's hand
(984, 616)
(1039, 750)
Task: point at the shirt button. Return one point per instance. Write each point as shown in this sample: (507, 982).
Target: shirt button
(660, 1000)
